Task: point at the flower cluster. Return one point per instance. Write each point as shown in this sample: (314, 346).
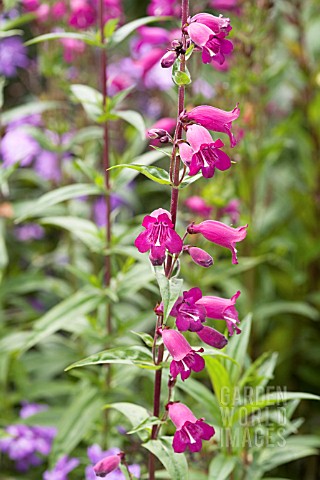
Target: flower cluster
(27, 445)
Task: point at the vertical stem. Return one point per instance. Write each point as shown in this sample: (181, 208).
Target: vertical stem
(175, 169)
(105, 157)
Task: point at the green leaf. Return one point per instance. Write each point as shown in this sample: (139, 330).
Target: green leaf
(4, 259)
(91, 100)
(169, 289)
(40, 206)
(221, 467)
(134, 118)
(237, 348)
(134, 355)
(175, 463)
(156, 174)
(84, 37)
(190, 179)
(143, 160)
(178, 77)
(81, 303)
(123, 32)
(220, 380)
(76, 421)
(272, 457)
(138, 417)
(28, 109)
(110, 27)
(81, 228)
(278, 308)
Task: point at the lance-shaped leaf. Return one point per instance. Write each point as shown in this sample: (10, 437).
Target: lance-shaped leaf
(87, 38)
(41, 205)
(170, 291)
(175, 463)
(91, 100)
(123, 32)
(156, 174)
(134, 119)
(134, 355)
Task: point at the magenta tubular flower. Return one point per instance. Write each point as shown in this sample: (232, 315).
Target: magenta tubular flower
(184, 358)
(222, 309)
(202, 153)
(190, 431)
(221, 234)
(199, 256)
(83, 15)
(212, 337)
(158, 236)
(107, 465)
(189, 316)
(214, 119)
(208, 33)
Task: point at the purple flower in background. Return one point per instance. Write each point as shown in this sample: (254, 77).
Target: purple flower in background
(158, 236)
(203, 153)
(184, 358)
(190, 431)
(198, 205)
(30, 231)
(221, 234)
(232, 209)
(163, 7)
(189, 316)
(96, 455)
(60, 471)
(13, 54)
(214, 119)
(17, 145)
(100, 208)
(27, 445)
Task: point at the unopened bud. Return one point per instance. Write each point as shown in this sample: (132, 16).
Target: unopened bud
(199, 256)
(157, 133)
(168, 59)
(107, 465)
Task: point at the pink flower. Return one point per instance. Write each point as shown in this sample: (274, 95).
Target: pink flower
(202, 153)
(188, 315)
(190, 431)
(208, 32)
(232, 210)
(158, 236)
(222, 309)
(198, 205)
(213, 119)
(163, 7)
(107, 465)
(212, 337)
(83, 15)
(220, 234)
(59, 10)
(184, 358)
(72, 47)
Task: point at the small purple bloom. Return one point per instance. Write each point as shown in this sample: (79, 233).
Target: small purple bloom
(158, 236)
(199, 256)
(232, 209)
(222, 309)
(30, 231)
(60, 471)
(189, 316)
(184, 358)
(13, 55)
(29, 409)
(220, 234)
(17, 145)
(203, 153)
(214, 119)
(190, 431)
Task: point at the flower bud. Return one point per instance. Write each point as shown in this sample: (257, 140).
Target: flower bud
(157, 133)
(168, 59)
(199, 256)
(107, 465)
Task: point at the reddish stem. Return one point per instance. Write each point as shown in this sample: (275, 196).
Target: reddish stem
(105, 157)
(175, 170)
